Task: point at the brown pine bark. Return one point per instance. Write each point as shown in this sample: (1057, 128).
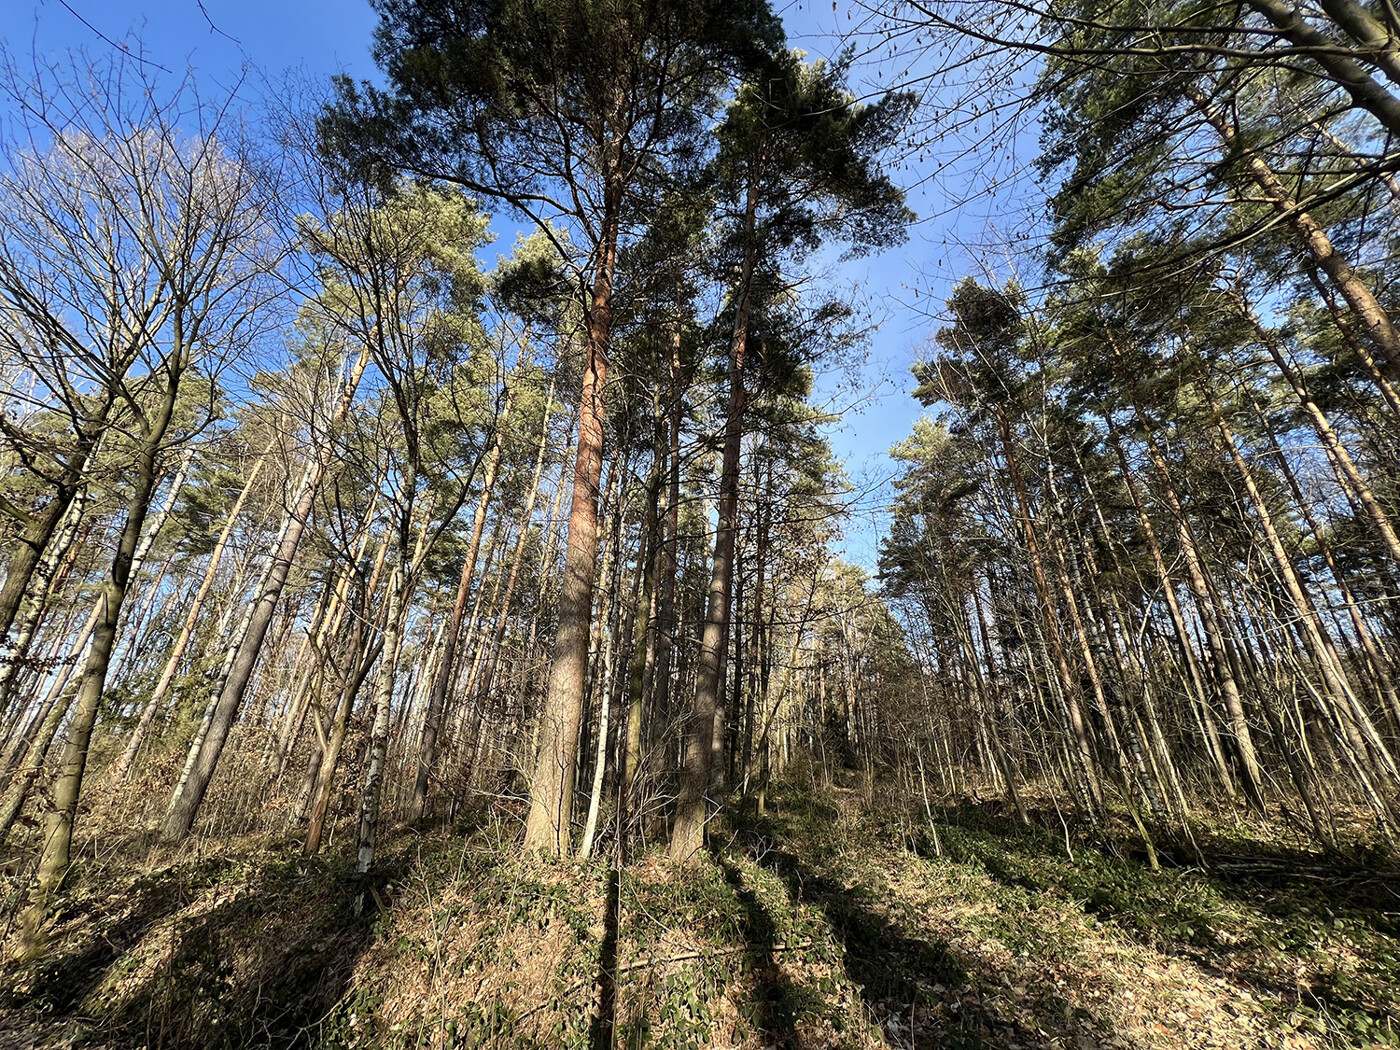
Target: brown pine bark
(547, 825)
(1374, 320)
(1340, 65)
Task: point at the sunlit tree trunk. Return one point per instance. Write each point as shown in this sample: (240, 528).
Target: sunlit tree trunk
(58, 824)
(548, 823)
(189, 794)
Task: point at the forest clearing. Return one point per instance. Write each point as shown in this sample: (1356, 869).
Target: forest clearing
(444, 605)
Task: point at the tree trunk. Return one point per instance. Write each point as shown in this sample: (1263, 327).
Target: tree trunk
(184, 805)
(368, 835)
(687, 838)
(447, 666)
(42, 584)
(552, 789)
(58, 825)
(182, 641)
(33, 540)
(1375, 322)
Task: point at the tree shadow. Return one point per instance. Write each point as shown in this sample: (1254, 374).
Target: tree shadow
(601, 1028)
(778, 1002)
(262, 966)
(64, 976)
(1254, 903)
(917, 988)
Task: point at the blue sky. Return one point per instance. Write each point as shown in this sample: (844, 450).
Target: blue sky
(219, 38)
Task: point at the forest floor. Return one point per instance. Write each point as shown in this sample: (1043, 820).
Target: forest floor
(821, 924)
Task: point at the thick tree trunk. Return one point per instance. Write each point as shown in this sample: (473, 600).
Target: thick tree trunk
(552, 789)
(1349, 74)
(1374, 320)
(58, 825)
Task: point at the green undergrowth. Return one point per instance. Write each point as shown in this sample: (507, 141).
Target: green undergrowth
(1319, 938)
(1305, 945)
(818, 924)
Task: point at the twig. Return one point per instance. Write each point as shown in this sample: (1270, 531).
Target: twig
(650, 962)
(106, 39)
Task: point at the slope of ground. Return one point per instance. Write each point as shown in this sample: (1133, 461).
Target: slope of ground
(817, 925)
(1004, 940)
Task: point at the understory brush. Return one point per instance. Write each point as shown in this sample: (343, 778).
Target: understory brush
(823, 922)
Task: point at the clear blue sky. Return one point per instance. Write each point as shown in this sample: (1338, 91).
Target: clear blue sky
(319, 37)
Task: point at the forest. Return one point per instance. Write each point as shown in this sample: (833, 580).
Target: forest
(432, 613)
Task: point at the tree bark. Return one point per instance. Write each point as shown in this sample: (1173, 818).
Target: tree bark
(185, 803)
(58, 825)
(370, 797)
(687, 837)
(547, 826)
(1375, 322)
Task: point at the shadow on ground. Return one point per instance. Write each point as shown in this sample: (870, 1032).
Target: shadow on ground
(1262, 915)
(209, 954)
(918, 989)
(778, 1001)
